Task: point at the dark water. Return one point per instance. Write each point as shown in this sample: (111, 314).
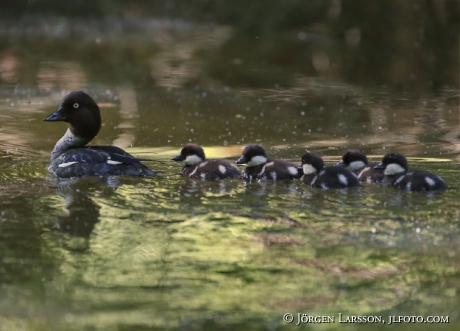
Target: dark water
(170, 253)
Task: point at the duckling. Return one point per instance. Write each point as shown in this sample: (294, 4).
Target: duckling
(258, 166)
(398, 176)
(356, 161)
(198, 167)
(317, 175)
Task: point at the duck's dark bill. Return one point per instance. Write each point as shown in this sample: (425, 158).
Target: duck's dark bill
(56, 116)
(178, 158)
(241, 160)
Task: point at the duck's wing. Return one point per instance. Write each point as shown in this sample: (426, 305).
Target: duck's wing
(94, 161)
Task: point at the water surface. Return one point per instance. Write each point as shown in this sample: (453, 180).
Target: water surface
(172, 253)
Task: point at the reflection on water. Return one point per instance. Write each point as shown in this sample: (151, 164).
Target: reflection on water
(232, 251)
(174, 253)
(61, 75)
(83, 213)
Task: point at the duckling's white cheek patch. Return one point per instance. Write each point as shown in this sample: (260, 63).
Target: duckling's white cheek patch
(222, 169)
(293, 171)
(63, 165)
(343, 179)
(408, 186)
(356, 165)
(257, 160)
(308, 169)
(393, 169)
(429, 181)
(273, 174)
(192, 160)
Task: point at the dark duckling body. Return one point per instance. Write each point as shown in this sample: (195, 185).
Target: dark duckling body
(317, 175)
(398, 176)
(356, 161)
(258, 166)
(198, 167)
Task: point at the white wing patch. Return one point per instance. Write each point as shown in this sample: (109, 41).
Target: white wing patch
(363, 172)
(63, 165)
(430, 181)
(263, 170)
(293, 171)
(113, 162)
(398, 180)
(273, 174)
(408, 186)
(343, 179)
(193, 172)
(222, 169)
(314, 180)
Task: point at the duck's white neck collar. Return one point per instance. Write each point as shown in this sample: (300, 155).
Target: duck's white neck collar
(68, 141)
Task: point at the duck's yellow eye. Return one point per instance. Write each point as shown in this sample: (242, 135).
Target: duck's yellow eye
(76, 105)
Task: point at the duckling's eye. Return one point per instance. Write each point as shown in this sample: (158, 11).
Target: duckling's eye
(76, 105)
